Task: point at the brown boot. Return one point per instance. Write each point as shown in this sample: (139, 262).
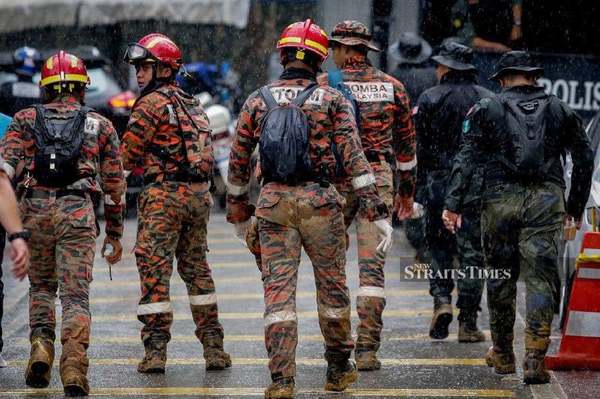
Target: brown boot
(467, 327)
(282, 388)
(214, 355)
(534, 370)
(340, 375)
(442, 317)
(75, 382)
(155, 360)
(41, 358)
(367, 360)
(502, 360)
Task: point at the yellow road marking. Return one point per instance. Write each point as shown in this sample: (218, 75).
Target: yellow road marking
(255, 278)
(126, 340)
(263, 362)
(260, 315)
(220, 392)
(249, 264)
(391, 293)
(136, 283)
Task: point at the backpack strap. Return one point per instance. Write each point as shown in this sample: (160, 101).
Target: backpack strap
(267, 96)
(305, 94)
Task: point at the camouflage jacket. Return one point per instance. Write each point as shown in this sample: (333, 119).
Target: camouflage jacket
(330, 119)
(387, 131)
(100, 158)
(156, 126)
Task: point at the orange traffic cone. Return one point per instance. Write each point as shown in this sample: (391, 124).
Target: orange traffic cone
(580, 344)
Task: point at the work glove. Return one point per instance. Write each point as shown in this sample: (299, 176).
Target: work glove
(241, 231)
(385, 233)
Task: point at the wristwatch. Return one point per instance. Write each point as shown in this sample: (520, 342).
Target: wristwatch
(24, 234)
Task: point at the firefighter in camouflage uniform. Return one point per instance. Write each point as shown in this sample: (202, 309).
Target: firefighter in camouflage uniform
(305, 212)
(520, 136)
(169, 136)
(388, 140)
(55, 197)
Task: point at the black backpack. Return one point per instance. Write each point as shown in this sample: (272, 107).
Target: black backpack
(58, 139)
(526, 120)
(284, 139)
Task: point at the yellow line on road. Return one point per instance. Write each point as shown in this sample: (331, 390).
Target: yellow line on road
(126, 340)
(390, 293)
(221, 392)
(247, 264)
(255, 278)
(260, 315)
(263, 362)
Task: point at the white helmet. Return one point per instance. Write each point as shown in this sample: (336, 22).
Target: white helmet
(219, 118)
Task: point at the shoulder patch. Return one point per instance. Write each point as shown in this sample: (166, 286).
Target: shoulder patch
(92, 126)
(466, 126)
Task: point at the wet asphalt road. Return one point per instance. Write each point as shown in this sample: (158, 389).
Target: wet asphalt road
(413, 365)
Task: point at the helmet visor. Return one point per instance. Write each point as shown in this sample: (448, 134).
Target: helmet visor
(136, 53)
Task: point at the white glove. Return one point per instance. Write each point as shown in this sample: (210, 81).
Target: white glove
(241, 230)
(385, 233)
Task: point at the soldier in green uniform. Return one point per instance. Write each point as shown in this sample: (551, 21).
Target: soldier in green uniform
(519, 136)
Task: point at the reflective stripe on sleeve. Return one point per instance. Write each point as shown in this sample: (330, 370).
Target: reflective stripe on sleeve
(583, 324)
(207, 299)
(153, 308)
(279, 317)
(377, 292)
(237, 190)
(363, 181)
(404, 166)
(588, 273)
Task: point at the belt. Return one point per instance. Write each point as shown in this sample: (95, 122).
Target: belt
(40, 194)
(176, 178)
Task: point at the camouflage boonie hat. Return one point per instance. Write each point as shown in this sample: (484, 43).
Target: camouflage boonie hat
(352, 33)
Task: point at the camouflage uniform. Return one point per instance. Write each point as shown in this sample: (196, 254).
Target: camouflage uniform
(173, 213)
(522, 219)
(388, 140)
(63, 230)
(308, 215)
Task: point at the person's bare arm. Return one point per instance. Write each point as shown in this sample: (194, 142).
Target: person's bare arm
(9, 218)
(517, 31)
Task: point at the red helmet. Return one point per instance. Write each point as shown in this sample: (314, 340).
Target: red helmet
(152, 48)
(307, 36)
(63, 67)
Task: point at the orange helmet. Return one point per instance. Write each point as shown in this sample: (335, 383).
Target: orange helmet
(154, 47)
(63, 68)
(307, 36)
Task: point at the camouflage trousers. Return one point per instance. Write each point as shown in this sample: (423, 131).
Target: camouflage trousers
(445, 247)
(172, 222)
(291, 218)
(62, 245)
(370, 301)
(521, 228)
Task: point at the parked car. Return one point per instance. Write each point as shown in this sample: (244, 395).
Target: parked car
(105, 94)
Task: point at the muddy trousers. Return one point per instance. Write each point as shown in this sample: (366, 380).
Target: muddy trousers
(172, 222)
(522, 226)
(62, 245)
(370, 300)
(309, 218)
